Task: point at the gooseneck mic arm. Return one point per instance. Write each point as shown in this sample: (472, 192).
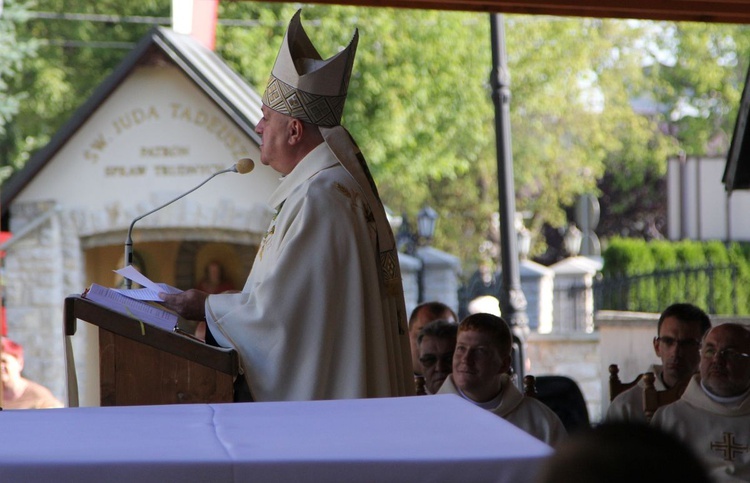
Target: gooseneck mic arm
(244, 165)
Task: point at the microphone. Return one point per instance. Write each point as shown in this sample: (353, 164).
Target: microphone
(243, 166)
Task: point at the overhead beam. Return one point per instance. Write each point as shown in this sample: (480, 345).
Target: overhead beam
(712, 11)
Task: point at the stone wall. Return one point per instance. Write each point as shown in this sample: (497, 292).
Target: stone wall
(35, 288)
(45, 263)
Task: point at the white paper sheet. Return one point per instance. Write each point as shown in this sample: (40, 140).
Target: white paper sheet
(150, 290)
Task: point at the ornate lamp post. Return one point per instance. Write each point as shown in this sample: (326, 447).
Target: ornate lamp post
(512, 299)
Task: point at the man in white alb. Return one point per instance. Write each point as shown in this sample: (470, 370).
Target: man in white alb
(679, 331)
(713, 414)
(480, 375)
(322, 314)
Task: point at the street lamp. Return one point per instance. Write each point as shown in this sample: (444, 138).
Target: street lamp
(409, 239)
(426, 221)
(523, 236)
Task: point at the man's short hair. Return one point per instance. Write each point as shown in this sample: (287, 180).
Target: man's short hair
(686, 313)
(491, 325)
(434, 309)
(440, 329)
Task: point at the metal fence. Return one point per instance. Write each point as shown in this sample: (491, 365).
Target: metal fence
(712, 288)
(573, 308)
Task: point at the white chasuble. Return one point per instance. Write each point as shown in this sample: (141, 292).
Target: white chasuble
(718, 433)
(527, 413)
(314, 319)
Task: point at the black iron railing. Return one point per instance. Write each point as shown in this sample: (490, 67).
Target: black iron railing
(712, 288)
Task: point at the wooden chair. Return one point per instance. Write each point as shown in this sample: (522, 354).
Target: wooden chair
(419, 385)
(529, 386)
(615, 385)
(653, 399)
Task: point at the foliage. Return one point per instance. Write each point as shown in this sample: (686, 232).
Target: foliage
(67, 67)
(647, 276)
(420, 102)
(694, 78)
(698, 72)
(420, 106)
(13, 54)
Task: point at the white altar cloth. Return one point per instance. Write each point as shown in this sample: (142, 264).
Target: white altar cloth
(425, 438)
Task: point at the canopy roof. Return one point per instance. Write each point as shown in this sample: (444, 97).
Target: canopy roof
(717, 11)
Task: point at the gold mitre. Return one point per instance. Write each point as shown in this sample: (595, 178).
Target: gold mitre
(305, 86)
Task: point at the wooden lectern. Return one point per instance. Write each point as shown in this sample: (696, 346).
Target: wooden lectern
(141, 364)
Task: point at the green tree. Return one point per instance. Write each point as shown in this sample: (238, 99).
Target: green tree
(13, 53)
(420, 106)
(694, 78)
(73, 57)
(420, 102)
(698, 72)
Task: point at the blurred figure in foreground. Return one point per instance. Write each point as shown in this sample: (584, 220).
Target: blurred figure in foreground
(622, 452)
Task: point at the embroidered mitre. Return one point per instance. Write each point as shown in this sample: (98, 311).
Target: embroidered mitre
(305, 86)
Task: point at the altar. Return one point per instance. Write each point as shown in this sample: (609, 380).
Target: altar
(407, 439)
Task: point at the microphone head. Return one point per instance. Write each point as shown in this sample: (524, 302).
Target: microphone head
(244, 165)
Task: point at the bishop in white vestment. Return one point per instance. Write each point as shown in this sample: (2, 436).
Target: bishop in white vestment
(322, 314)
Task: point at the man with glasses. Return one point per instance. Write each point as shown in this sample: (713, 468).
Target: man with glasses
(422, 315)
(679, 331)
(713, 415)
(437, 341)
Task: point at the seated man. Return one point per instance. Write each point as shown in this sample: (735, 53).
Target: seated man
(422, 315)
(19, 392)
(480, 375)
(679, 331)
(437, 341)
(713, 415)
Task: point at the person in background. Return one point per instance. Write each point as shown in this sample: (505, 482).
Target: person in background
(422, 315)
(713, 414)
(19, 392)
(214, 279)
(679, 331)
(480, 375)
(437, 342)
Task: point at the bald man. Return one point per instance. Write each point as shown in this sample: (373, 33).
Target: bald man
(713, 415)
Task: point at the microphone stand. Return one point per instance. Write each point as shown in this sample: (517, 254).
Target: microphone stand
(129, 240)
